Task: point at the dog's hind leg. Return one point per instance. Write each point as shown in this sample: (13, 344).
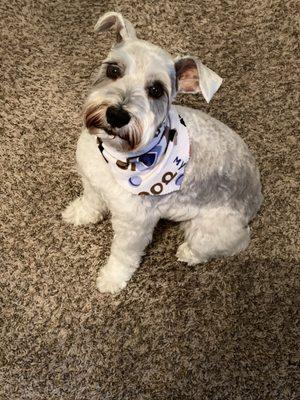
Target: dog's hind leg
(215, 232)
(89, 208)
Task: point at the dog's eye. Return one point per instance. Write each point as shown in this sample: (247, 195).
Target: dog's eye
(113, 72)
(156, 90)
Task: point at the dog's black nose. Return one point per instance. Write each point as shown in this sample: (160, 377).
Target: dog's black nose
(117, 116)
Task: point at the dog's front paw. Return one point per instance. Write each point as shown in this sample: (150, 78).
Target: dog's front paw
(79, 213)
(187, 255)
(108, 282)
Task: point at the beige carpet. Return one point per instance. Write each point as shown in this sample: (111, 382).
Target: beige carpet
(224, 330)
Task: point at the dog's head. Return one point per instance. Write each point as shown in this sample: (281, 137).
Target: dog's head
(135, 86)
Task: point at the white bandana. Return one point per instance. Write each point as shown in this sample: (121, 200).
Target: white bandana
(156, 169)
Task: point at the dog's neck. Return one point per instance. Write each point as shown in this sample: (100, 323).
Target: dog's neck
(158, 167)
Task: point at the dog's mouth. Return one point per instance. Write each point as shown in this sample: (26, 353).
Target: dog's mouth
(126, 139)
(129, 136)
(115, 132)
(96, 127)
(109, 131)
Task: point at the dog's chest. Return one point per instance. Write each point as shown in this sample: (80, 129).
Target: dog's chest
(93, 167)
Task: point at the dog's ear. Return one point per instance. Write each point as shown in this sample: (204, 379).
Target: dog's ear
(123, 27)
(194, 77)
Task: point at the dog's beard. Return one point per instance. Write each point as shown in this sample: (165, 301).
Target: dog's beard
(126, 138)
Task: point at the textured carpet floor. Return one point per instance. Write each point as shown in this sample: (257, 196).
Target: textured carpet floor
(224, 330)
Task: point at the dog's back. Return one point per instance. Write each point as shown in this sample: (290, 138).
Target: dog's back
(221, 168)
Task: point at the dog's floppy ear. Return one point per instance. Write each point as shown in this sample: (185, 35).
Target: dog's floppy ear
(123, 27)
(194, 77)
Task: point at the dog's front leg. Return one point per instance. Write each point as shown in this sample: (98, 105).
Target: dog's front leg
(89, 208)
(131, 236)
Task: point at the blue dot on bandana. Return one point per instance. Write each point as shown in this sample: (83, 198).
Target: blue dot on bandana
(179, 180)
(135, 180)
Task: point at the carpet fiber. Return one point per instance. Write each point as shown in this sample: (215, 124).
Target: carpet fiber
(224, 330)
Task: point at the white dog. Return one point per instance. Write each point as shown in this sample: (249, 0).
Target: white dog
(144, 159)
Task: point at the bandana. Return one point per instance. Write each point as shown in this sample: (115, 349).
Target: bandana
(156, 169)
